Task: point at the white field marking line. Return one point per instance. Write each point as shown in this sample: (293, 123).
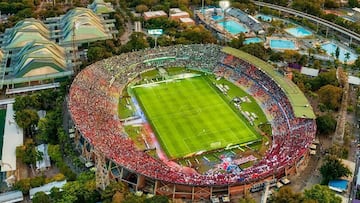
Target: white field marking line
(203, 133)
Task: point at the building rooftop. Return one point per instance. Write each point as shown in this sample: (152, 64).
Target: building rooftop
(186, 20)
(101, 7)
(88, 27)
(153, 14)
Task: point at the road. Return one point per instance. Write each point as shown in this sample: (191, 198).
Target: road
(347, 32)
(128, 27)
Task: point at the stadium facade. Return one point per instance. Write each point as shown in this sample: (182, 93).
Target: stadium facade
(93, 122)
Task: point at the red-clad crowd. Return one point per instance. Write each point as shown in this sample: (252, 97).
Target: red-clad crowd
(93, 105)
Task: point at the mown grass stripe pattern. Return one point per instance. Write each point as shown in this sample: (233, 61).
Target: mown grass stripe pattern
(189, 116)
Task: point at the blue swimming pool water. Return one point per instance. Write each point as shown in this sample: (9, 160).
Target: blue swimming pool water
(331, 47)
(282, 44)
(233, 27)
(252, 40)
(264, 17)
(340, 184)
(216, 18)
(299, 32)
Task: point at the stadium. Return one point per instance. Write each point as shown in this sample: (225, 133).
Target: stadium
(99, 132)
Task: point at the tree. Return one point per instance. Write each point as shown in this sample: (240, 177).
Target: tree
(356, 64)
(198, 35)
(330, 96)
(317, 64)
(27, 119)
(132, 198)
(347, 57)
(95, 54)
(337, 52)
(23, 185)
(137, 41)
(286, 195)
(326, 124)
(256, 49)
(81, 190)
(118, 197)
(41, 197)
(331, 4)
(247, 199)
(353, 3)
(27, 152)
(157, 199)
(55, 153)
(321, 194)
(339, 151)
(238, 41)
(332, 169)
(141, 8)
(291, 56)
(113, 188)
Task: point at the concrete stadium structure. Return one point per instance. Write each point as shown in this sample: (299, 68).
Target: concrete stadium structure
(92, 121)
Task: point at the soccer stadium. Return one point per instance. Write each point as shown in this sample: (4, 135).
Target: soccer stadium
(189, 121)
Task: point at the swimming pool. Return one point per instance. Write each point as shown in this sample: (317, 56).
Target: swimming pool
(299, 32)
(233, 27)
(252, 40)
(330, 48)
(217, 17)
(264, 17)
(282, 44)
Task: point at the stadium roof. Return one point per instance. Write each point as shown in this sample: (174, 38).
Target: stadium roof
(299, 102)
(100, 7)
(25, 31)
(39, 59)
(87, 25)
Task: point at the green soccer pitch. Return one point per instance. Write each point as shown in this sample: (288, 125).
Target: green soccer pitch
(189, 115)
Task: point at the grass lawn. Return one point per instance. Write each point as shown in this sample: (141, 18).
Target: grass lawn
(252, 106)
(190, 115)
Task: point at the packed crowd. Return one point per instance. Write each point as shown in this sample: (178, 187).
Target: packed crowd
(93, 105)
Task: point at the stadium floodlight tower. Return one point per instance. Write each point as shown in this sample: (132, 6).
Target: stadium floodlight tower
(224, 5)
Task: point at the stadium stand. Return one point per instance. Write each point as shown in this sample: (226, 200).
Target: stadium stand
(248, 20)
(93, 105)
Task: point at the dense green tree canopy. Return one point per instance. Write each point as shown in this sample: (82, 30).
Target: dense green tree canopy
(256, 49)
(41, 197)
(285, 195)
(326, 124)
(333, 169)
(321, 194)
(27, 152)
(330, 96)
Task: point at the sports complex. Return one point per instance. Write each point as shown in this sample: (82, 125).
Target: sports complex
(189, 121)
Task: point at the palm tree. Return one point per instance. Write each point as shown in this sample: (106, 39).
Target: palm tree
(347, 57)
